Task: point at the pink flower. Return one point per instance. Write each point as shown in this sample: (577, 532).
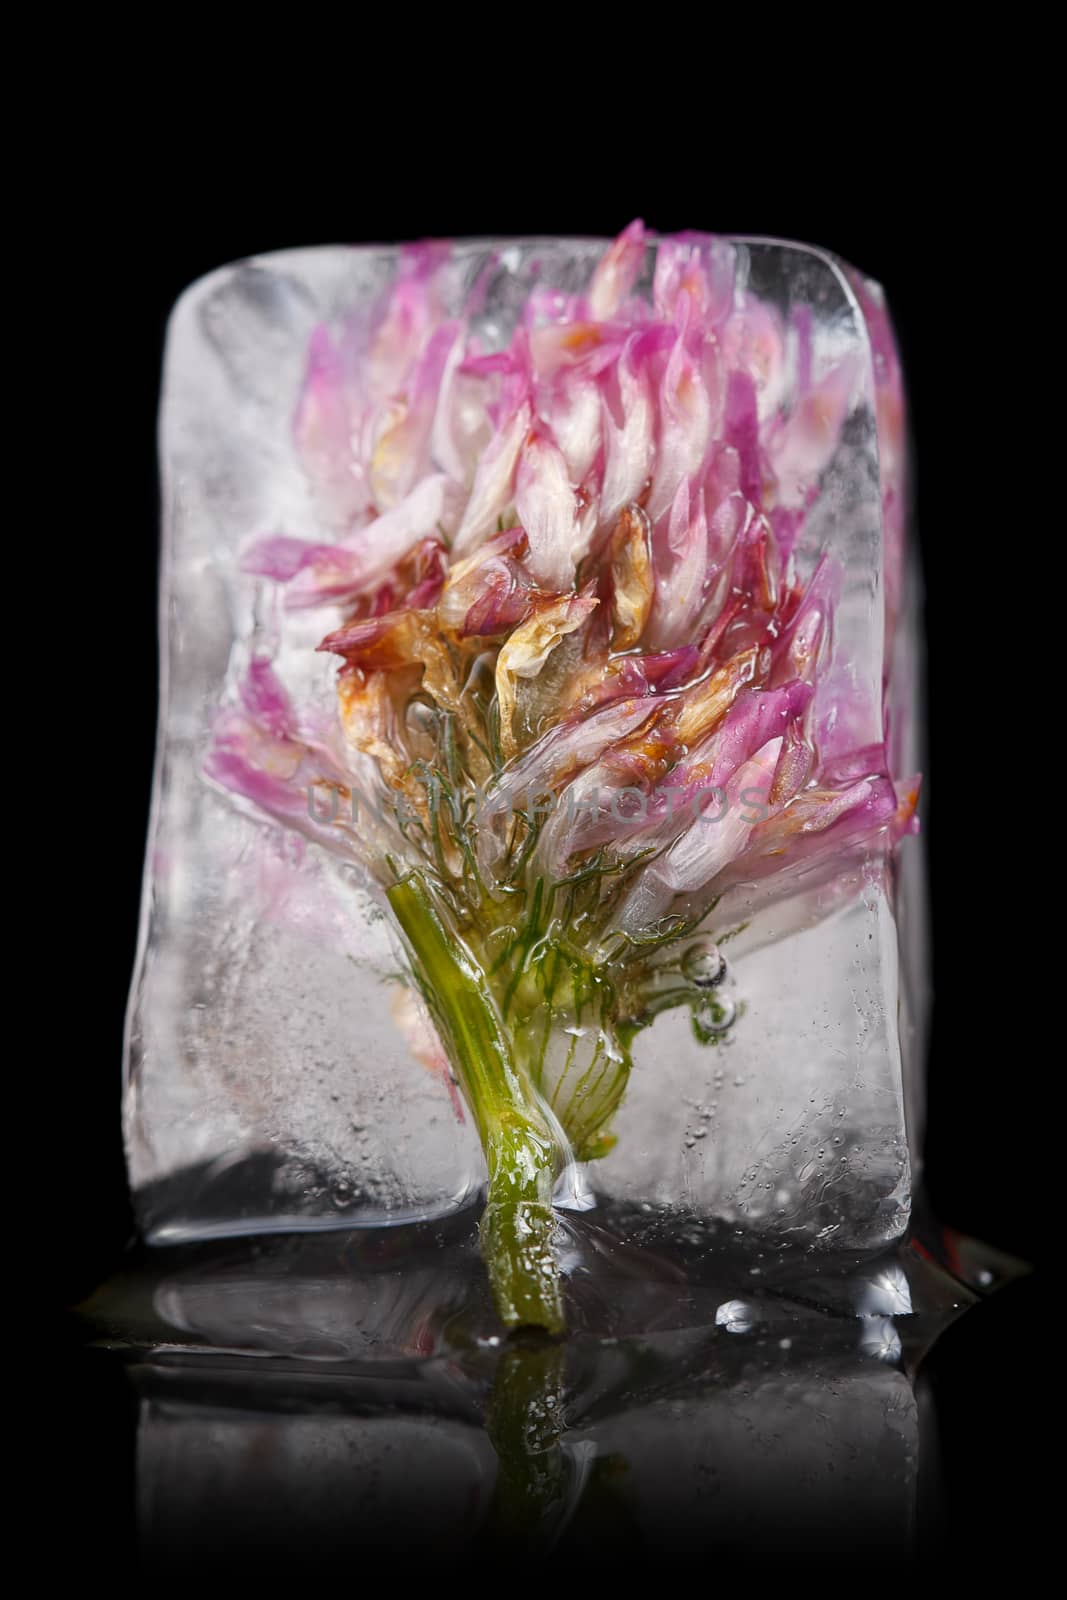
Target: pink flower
(590, 698)
(577, 551)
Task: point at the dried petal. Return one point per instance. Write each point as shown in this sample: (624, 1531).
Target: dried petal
(631, 579)
(490, 591)
(704, 707)
(527, 650)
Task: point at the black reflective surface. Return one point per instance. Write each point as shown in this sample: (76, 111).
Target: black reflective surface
(311, 1403)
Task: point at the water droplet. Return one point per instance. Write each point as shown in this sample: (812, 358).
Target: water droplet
(735, 1316)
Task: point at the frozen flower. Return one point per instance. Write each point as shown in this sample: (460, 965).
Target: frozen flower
(584, 692)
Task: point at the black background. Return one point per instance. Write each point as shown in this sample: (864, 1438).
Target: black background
(923, 216)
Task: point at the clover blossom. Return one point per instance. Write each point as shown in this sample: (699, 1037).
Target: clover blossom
(580, 691)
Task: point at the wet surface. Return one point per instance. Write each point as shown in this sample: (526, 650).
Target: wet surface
(316, 1399)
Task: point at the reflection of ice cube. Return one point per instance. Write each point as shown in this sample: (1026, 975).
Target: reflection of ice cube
(795, 1460)
(880, 1339)
(785, 1454)
(735, 1316)
(230, 1478)
(267, 1085)
(886, 1294)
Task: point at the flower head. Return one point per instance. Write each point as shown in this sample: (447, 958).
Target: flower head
(584, 686)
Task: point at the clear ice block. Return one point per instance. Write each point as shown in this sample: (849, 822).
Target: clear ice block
(269, 1086)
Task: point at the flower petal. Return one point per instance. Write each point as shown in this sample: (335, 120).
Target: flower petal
(683, 568)
(494, 481)
(280, 557)
(685, 426)
(629, 432)
(631, 578)
(401, 452)
(526, 651)
(346, 570)
(617, 271)
(490, 591)
(322, 432)
(548, 511)
(801, 445)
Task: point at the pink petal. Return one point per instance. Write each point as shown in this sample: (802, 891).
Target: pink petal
(341, 573)
(721, 832)
(629, 436)
(490, 591)
(494, 481)
(741, 429)
(265, 699)
(807, 638)
(712, 842)
(685, 427)
(553, 760)
(683, 568)
(431, 571)
(256, 753)
(460, 430)
(818, 825)
(411, 313)
(617, 272)
(694, 279)
(573, 416)
(753, 342)
(505, 601)
(757, 716)
(401, 452)
(281, 557)
(323, 436)
(547, 509)
(800, 446)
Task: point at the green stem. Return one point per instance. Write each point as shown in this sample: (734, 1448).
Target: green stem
(526, 1423)
(522, 1154)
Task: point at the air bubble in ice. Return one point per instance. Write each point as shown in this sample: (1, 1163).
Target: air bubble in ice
(711, 1018)
(703, 965)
